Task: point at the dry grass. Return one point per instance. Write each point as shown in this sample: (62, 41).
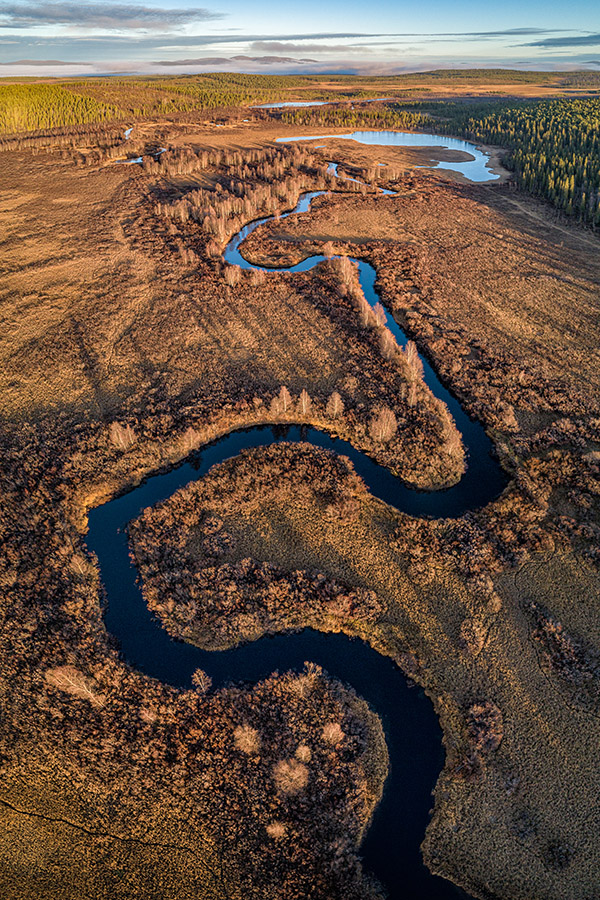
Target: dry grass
(512, 821)
(88, 319)
(71, 287)
(101, 322)
(531, 814)
(484, 261)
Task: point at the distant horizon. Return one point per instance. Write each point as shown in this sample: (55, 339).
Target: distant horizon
(64, 70)
(153, 37)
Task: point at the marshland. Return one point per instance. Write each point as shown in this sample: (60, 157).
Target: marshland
(295, 537)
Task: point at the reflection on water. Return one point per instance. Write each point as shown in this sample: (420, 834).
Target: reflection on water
(474, 169)
(292, 103)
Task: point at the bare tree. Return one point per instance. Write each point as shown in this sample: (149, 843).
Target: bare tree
(121, 436)
(202, 681)
(383, 425)
(233, 275)
(304, 403)
(380, 316)
(285, 398)
(303, 753)
(190, 440)
(333, 733)
(415, 366)
(290, 776)
(335, 406)
(73, 682)
(282, 402)
(387, 344)
(347, 274)
(247, 739)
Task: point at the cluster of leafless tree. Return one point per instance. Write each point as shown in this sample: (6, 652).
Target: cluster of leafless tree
(249, 186)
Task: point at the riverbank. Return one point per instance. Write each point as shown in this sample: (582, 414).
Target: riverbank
(113, 323)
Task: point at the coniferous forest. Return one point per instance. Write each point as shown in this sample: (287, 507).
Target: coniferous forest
(554, 148)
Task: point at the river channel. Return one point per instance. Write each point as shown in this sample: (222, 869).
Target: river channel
(391, 847)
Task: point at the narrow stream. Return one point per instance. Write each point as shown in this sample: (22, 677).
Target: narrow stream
(413, 735)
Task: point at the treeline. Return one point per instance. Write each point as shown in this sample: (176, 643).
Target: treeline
(35, 107)
(139, 97)
(344, 117)
(554, 147)
(31, 107)
(66, 137)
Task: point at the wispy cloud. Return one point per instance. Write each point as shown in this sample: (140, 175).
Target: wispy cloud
(42, 62)
(99, 15)
(584, 40)
(289, 47)
(225, 60)
(118, 35)
(507, 32)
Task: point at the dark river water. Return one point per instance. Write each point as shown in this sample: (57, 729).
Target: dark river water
(413, 735)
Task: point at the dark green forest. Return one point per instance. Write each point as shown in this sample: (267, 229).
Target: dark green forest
(362, 117)
(554, 146)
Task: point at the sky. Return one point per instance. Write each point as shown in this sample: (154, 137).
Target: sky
(65, 37)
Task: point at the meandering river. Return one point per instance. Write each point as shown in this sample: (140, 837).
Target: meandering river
(391, 847)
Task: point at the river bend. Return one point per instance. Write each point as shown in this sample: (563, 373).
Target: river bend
(413, 735)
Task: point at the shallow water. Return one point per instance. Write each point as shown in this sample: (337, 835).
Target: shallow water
(292, 103)
(317, 102)
(475, 169)
(413, 735)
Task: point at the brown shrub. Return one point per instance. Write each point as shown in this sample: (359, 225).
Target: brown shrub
(290, 776)
(485, 726)
(383, 425)
(121, 436)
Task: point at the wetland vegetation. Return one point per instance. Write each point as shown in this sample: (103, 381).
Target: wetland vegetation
(131, 345)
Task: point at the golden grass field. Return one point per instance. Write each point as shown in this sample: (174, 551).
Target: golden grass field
(103, 321)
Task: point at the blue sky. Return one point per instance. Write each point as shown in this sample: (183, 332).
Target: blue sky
(68, 37)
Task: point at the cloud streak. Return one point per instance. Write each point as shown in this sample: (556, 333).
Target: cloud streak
(42, 62)
(290, 47)
(225, 60)
(98, 14)
(585, 40)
